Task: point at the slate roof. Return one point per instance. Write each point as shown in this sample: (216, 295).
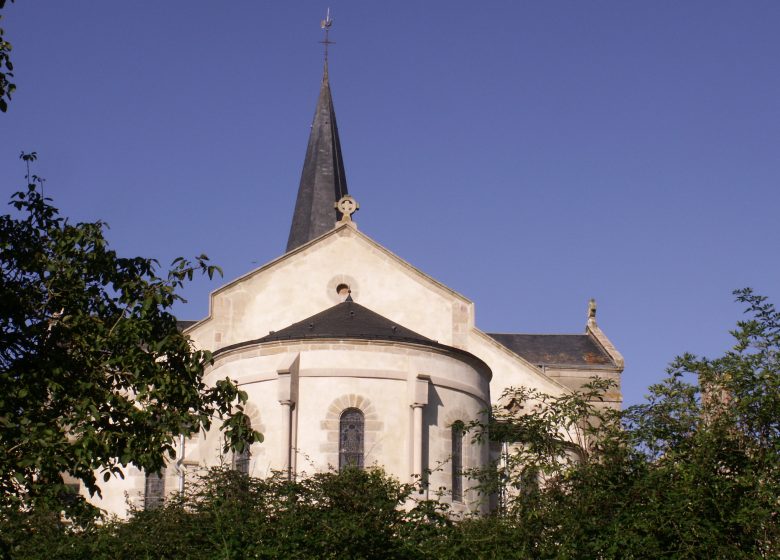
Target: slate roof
(347, 320)
(323, 180)
(556, 349)
(182, 325)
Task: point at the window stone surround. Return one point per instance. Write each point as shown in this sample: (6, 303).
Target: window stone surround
(372, 429)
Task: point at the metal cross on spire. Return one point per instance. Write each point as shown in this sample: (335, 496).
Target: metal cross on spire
(326, 24)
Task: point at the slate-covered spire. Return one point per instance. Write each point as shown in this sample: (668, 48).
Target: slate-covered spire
(323, 181)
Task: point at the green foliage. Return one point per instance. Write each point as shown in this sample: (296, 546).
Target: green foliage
(94, 374)
(544, 436)
(711, 433)
(6, 68)
(692, 473)
(352, 514)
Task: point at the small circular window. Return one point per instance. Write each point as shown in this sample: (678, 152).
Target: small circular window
(342, 286)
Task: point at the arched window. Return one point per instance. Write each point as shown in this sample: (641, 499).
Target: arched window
(351, 439)
(529, 480)
(241, 460)
(154, 490)
(457, 461)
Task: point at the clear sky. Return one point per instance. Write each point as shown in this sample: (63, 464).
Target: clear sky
(529, 155)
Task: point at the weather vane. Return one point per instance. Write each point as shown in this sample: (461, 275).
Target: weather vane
(326, 24)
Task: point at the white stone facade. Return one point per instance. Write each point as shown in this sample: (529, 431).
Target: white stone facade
(410, 394)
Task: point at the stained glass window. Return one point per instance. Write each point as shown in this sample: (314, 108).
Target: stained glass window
(351, 439)
(457, 462)
(241, 460)
(154, 490)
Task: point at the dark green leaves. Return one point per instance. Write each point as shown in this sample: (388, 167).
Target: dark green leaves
(94, 374)
(6, 68)
(694, 472)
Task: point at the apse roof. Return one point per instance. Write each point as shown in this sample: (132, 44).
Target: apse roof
(556, 349)
(347, 320)
(183, 325)
(323, 179)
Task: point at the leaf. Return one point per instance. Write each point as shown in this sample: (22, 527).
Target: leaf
(97, 374)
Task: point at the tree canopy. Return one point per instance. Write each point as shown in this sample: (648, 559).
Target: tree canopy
(694, 472)
(6, 68)
(94, 373)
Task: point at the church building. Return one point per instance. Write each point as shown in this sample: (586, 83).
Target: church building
(352, 356)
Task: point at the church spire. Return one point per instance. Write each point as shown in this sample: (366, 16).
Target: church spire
(323, 181)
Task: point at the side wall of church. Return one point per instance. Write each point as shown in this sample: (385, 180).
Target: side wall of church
(575, 378)
(509, 370)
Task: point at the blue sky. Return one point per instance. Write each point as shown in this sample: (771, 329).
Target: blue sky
(530, 155)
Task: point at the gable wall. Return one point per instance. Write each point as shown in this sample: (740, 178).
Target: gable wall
(304, 283)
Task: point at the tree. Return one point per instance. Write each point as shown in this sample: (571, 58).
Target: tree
(563, 459)
(94, 374)
(6, 68)
(711, 437)
(692, 473)
(544, 436)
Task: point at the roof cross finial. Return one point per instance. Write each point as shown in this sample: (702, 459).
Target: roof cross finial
(326, 24)
(347, 206)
